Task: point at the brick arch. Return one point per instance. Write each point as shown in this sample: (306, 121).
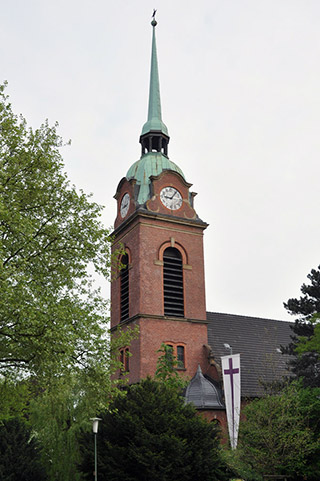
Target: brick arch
(177, 246)
(216, 421)
(173, 287)
(124, 284)
(128, 252)
(175, 345)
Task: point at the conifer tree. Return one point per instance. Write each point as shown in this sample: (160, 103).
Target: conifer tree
(19, 453)
(304, 348)
(150, 434)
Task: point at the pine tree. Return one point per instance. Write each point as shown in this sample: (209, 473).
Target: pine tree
(305, 363)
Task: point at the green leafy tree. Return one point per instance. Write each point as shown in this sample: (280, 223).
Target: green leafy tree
(57, 416)
(166, 371)
(309, 344)
(151, 434)
(56, 356)
(50, 315)
(14, 398)
(65, 407)
(19, 453)
(305, 346)
(280, 434)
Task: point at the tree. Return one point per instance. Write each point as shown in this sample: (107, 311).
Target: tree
(151, 434)
(305, 361)
(311, 343)
(55, 351)
(59, 412)
(50, 315)
(280, 434)
(19, 453)
(166, 371)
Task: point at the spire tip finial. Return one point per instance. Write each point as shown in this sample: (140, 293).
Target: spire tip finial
(154, 22)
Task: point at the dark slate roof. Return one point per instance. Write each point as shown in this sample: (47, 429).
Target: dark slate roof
(204, 393)
(257, 340)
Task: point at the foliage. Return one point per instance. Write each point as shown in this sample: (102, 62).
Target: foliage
(57, 416)
(19, 453)
(309, 303)
(56, 356)
(50, 316)
(151, 434)
(311, 343)
(239, 467)
(280, 434)
(305, 361)
(166, 371)
(65, 407)
(14, 398)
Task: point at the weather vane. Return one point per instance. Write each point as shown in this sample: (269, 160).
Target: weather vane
(154, 22)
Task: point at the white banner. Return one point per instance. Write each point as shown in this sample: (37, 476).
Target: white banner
(231, 383)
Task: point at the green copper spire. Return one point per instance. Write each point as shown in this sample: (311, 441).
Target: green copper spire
(154, 138)
(154, 122)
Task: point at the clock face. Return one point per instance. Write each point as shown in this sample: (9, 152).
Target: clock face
(124, 206)
(171, 198)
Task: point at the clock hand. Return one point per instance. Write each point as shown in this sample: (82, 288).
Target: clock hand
(124, 206)
(172, 196)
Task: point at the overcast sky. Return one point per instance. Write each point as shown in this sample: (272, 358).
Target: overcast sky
(240, 95)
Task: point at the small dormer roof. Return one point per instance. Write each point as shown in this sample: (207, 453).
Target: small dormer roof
(204, 393)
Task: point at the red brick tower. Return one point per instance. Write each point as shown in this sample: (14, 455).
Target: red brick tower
(161, 286)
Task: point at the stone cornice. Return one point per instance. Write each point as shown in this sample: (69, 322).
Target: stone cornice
(160, 318)
(168, 218)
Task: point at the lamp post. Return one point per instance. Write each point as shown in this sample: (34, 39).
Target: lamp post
(228, 347)
(95, 424)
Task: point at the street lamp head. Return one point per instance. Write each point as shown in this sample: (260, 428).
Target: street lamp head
(95, 423)
(227, 346)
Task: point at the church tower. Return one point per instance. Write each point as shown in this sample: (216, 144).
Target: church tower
(160, 286)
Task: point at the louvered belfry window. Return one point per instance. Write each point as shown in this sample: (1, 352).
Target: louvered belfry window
(173, 283)
(124, 288)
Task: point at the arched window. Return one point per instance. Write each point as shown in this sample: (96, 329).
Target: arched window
(126, 364)
(124, 359)
(169, 354)
(124, 288)
(173, 283)
(217, 424)
(175, 355)
(180, 357)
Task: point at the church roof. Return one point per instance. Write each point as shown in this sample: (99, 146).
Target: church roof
(204, 394)
(258, 341)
